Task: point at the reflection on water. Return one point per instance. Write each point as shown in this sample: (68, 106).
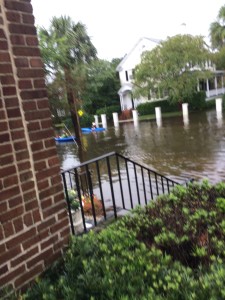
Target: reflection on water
(179, 148)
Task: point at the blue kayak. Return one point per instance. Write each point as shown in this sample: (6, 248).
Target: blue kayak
(87, 129)
(65, 139)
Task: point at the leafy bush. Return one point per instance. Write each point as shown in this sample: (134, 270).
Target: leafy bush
(197, 101)
(174, 248)
(108, 110)
(148, 108)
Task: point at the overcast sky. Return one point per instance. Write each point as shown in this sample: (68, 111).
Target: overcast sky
(116, 25)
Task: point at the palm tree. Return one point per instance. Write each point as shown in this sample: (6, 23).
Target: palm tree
(64, 48)
(217, 30)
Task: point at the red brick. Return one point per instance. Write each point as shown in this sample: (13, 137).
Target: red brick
(3, 206)
(24, 257)
(28, 220)
(21, 29)
(34, 126)
(43, 185)
(20, 145)
(8, 229)
(37, 146)
(49, 242)
(44, 256)
(3, 45)
(25, 51)
(28, 19)
(46, 124)
(43, 103)
(56, 180)
(36, 215)
(14, 113)
(27, 186)
(36, 63)
(15, 201)
(33, 94)
(4, 56)
(18, 135)
(3, 126)
(46, 203)
(30, 73)
(24, 165)
(8, 171)
(11, 275)
(40, 166)
(46, 224)
(39, 83)
(12, 102)
(9, 91)
(18, 224)
(22, 62)
(2, 246)
(6, 68)
(6, 79)
(30, 199)
(42, 135)
(2, 33)
(54, 209)
(25, 84)
(13, 213)
(34, 115)
(22, 155)
(13, 17)
(30, 204)
(57, 227)
(28, 276)
(3, 270)
(26, 176)
(20, 238)
(15, 124)
(11, 253)
(18, 6)
(9, 181)
(4, 138)
(29, 105)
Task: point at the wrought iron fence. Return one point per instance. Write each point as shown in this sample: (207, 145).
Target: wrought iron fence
(108, 186)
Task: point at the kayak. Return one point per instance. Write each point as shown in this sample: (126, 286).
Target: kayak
(88, 129)
(65, 139)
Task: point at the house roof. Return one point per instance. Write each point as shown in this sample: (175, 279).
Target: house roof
(119, 67)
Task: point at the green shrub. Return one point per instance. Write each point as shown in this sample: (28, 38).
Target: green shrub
(174, 248)
(197, 101)
(108, 111)
(148, 108)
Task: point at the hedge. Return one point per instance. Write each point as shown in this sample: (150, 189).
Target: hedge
(174, 248)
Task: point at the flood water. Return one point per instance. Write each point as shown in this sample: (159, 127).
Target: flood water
(177, 148)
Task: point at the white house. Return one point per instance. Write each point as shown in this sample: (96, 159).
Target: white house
(214, 87)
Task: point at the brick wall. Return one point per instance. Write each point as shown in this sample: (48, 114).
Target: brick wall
(33, 221)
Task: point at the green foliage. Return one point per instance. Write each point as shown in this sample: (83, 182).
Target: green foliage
(148, 108)
(86, 120)
(217, 31)
(173, 248)
(108, 110)
(102, 86)
(173, 68)
(197, 101)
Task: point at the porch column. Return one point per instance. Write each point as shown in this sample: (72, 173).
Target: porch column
(121, 102)
(215, 81)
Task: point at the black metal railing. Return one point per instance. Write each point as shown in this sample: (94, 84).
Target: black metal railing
(108, 186)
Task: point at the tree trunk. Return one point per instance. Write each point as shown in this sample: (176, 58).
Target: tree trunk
(72, 106)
